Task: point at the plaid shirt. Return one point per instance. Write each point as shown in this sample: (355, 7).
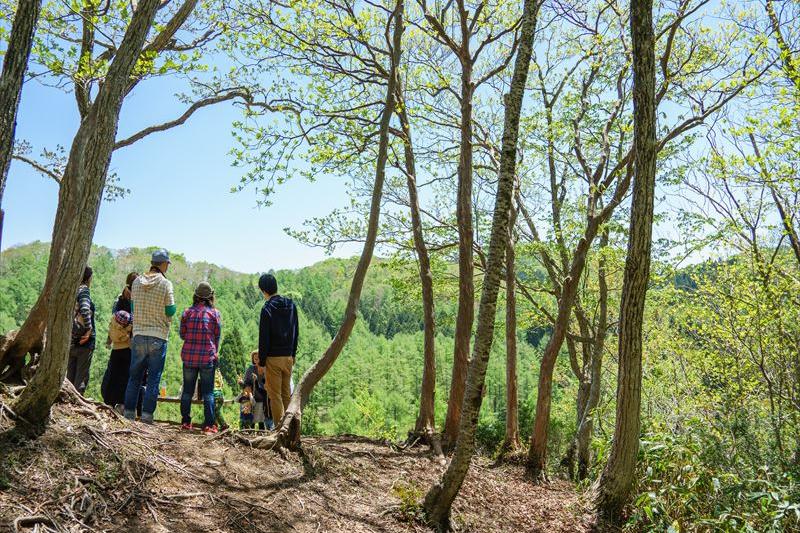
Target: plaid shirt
(200, 331)
(151, 294)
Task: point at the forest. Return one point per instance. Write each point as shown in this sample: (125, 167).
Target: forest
(578, 224)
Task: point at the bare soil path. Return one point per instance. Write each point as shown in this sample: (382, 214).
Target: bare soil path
(92, 471)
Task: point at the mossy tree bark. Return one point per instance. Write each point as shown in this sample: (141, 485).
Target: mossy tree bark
(616, 482)
(15, 63)
(78, 205)
(440, 497)
(30, 338)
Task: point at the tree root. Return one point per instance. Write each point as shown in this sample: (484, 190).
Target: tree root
(426, 437)
(25, 522)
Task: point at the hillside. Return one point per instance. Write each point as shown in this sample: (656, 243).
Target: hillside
(94, 471)
(374, 387)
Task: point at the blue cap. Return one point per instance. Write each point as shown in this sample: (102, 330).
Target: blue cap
(160, 256)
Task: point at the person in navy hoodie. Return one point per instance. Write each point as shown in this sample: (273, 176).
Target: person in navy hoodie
(278, 332)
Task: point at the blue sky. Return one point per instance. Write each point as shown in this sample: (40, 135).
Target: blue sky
(180, 184)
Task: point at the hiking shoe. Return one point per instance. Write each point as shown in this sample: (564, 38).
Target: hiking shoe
(186, 427)
(147, 418)
(210, 430)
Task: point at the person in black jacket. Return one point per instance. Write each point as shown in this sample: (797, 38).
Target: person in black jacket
(83, 335)
(278, 331)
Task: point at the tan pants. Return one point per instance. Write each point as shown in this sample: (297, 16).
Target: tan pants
(279, 374)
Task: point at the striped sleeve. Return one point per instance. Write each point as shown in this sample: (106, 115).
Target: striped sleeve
(85, 307)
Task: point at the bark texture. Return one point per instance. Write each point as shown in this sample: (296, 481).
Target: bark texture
(592, 372)
(30, 337)
(440, 497)
(15, 63)
(537, 453)
(616, 482)
(425, 426)
(466, 271)
(78, 205)
(511, 442)
(289, 432)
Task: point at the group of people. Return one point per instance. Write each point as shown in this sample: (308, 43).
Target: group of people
(138, 334)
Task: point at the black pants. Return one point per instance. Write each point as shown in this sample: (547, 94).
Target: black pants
(115, 380)
(80, 360)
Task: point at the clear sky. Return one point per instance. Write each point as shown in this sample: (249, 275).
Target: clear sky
(180, 184)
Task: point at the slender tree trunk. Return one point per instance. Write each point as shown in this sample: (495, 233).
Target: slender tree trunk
(440, 498)
(466, 272)
(79, 202)
(583, 437)
(581, 397)
(15, 63)
(511, 443)
(537, 453)
(617, 480)
(425, 426)
(289, 432)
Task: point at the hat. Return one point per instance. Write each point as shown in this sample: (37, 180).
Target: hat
(160, 256)
(123, 318)
(204, 291)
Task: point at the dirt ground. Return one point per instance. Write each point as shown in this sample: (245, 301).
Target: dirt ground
(92, 471)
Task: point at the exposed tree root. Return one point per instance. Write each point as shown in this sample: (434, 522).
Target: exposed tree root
(14, 352)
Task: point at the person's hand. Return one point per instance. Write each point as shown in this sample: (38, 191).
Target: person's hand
(261, 370)
(108, 342)
(86, 337)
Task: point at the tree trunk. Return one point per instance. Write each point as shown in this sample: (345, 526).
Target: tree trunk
(466, 272)
(583, 437)
(288, 434)
(581, 397)
(425, 426)
(15, 63)
(537, 454)
(78, 205)
(617, 480)
(29, 339)
(511, 443)
(440, 497)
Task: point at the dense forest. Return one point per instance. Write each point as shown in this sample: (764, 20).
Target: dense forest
(718, 441)
(578, 223)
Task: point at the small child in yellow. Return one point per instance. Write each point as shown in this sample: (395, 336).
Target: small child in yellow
(219, 400)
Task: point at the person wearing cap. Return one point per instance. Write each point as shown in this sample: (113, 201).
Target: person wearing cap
(278, 332)
(153, 306)
(201, 327)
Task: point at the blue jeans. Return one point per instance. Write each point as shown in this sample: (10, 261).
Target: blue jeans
(147, 353)
(190, 376)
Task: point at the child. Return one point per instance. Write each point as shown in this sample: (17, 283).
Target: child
(219, 400)
(246, 403)
(258, 385)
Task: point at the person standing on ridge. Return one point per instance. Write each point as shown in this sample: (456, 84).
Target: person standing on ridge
(201, 328)
(278, 331)
(83, 335)
(153, 306)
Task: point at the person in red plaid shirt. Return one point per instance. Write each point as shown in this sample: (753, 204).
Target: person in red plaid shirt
(201, 326)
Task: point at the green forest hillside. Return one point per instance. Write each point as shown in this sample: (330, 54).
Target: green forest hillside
(374, 387)
(720, 444)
